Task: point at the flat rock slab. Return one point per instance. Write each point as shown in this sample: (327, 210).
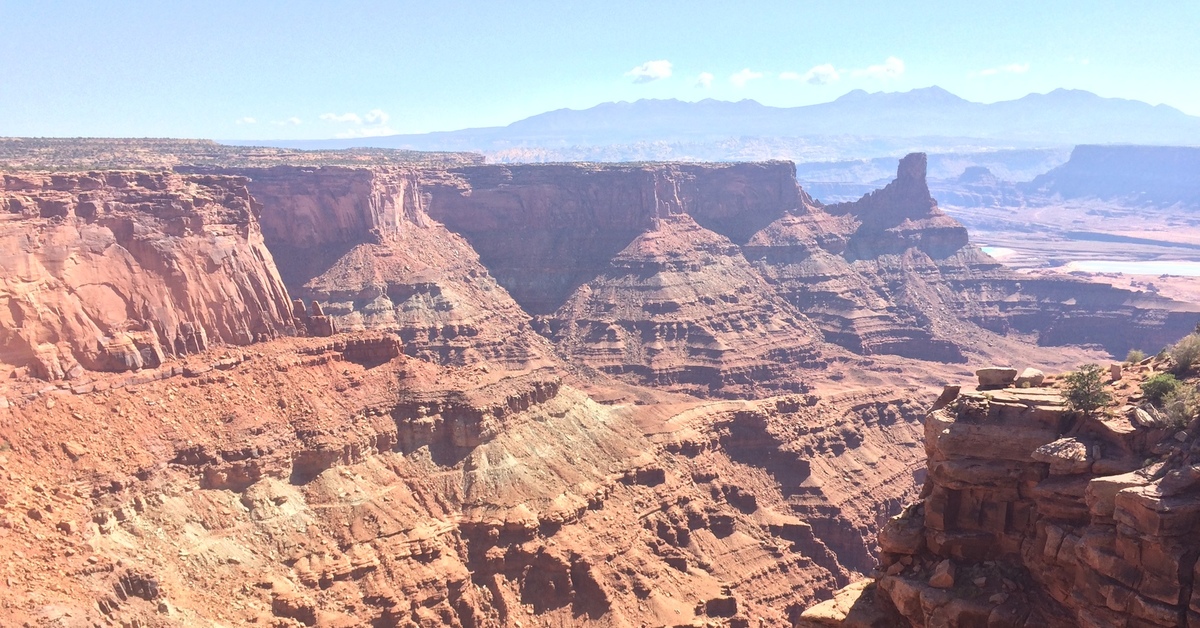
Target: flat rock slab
(996, 376)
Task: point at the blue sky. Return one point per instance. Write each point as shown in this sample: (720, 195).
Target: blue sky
(296, 69)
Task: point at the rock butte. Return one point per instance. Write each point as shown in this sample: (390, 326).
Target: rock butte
(443, 393)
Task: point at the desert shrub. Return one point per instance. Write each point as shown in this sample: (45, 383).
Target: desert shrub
(1135, 355)
(1085, 389)
(1181, 406)
(1158, 387)
(1186, 353)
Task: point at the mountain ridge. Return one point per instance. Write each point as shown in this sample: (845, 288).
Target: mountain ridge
(1059, 117)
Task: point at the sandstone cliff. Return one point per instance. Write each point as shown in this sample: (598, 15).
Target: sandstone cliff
(478, 480)
(891, 273)
(116, 271)
(1034, 515)
(359, 241)
(713, 279)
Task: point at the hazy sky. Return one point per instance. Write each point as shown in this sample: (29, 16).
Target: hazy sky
(301, 69)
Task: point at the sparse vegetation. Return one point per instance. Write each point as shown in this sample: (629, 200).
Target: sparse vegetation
(1186, 353)
(1085, 389)
(1158, 387)
(1181, 406)
(1134, 356)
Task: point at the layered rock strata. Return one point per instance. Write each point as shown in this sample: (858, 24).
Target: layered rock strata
(359, 242)
(701, 277)
(1033, 515)
(114, 271)
(891, 273)
(636, 270)
(334, 481)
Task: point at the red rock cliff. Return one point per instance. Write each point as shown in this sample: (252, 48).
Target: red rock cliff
(116, 271)
(1034, 515)
(565, 222)
(359, 242)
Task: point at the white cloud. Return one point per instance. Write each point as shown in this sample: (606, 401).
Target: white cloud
(1012, 68)
(293, 121)
(377, 115)
(889, 69)
(817, 75)
(650, 71)
(824, 74)
(344, 117)
(245, 120)
(705, 80)
(743, 76)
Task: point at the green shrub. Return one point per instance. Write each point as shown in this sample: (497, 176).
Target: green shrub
(1181, 406)
(1134, 356)
(1158, 387)
(1085, 389)
(1186, 353)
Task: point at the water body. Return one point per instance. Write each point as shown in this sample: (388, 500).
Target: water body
(1120, 239)
(1157, 267)
(998, 252)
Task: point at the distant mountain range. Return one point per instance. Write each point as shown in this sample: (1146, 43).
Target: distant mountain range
(858, 125)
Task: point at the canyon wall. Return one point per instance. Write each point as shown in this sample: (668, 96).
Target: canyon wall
(444, 456)
(117, 271)
(334, 481)
(1035, 515)
(360, 243)
(710, 278)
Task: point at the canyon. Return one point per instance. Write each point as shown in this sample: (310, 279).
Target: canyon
(287, 389)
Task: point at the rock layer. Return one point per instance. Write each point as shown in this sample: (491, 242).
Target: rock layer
(243, 489)
(1048, 518)
(701, 277)
(360, 243)
(117, 271)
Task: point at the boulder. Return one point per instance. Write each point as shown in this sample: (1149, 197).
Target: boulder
(1180, 480)
(721, 606)
(996, 376)
(904, 533)
(1101, 492)
(1030, 377)
(943, 575)
(1066, 456)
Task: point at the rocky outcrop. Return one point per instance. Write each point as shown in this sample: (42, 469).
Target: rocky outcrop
(118, 271)
(1033, 515)
(900, 217)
